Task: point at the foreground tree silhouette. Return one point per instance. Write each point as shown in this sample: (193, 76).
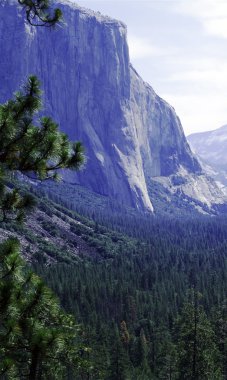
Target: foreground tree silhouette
(37, 339)
(35, 148)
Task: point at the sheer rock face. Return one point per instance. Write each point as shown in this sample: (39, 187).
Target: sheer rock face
(131, 135)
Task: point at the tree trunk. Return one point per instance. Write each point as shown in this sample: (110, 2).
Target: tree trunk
(194, 364)
(33, 373)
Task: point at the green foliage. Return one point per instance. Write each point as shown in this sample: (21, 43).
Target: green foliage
(143, 288)
(13, 204)
(118, 361)
(37, 339)
(34, 148)
(197, 351)
(26, 147)
(220, 328)
(36, 336)
(39, 12)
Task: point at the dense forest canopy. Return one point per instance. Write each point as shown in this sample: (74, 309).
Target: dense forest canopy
(155, 308)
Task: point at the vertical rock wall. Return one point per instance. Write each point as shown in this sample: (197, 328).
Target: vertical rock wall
(91, 90)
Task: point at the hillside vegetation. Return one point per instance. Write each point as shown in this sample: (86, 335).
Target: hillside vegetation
(150, 293)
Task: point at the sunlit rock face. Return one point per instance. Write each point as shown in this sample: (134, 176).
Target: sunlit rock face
(131, 135)
(162, 142)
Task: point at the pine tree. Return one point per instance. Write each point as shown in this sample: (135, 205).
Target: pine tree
(37, 339)
(119, 362)
(36, 149)
(39, 12)
(165, 367)
(197, 352)
(220, 326)
(125, 337)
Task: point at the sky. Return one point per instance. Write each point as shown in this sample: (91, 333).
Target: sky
(180, 48)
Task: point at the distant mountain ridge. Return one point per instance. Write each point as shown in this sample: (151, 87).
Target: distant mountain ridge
(211, 148)
(132, 136)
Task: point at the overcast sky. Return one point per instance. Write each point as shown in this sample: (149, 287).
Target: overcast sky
(180, 48)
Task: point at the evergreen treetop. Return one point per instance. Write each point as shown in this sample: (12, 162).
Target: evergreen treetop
(31, 146)
(39, 12)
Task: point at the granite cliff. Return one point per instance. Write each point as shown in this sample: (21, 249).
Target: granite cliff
(132, 136)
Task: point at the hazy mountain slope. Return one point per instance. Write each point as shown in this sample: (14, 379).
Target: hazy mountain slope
(131, 135)
(211, 148)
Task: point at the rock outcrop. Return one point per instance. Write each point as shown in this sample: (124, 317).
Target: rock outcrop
(131, 135)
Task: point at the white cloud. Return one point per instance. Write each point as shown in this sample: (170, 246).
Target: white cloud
(211, 13)
(216, 26)
(197, 89)
(214, 78)
(199, 113)
(140, 48)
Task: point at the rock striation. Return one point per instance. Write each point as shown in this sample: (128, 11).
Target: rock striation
(131, 135)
